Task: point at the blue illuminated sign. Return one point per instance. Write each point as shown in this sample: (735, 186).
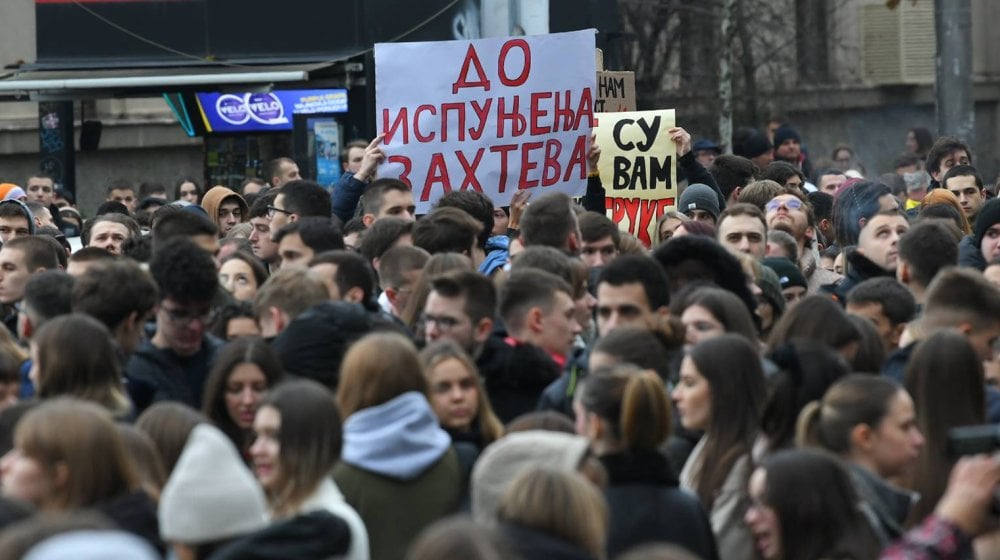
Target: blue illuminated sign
(227, 112)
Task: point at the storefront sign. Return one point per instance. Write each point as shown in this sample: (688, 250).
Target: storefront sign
(493, 115)
(227, 112)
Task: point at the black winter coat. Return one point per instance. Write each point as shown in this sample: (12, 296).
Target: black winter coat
(645, 505)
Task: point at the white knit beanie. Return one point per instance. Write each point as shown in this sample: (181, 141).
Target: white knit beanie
(211, 495)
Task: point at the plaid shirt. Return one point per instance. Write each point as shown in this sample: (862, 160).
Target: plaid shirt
(934, 539)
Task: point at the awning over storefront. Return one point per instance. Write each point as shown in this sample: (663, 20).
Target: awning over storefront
(75, 84)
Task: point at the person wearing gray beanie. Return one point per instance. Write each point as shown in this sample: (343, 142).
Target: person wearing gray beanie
(700, 203)
(211, 496)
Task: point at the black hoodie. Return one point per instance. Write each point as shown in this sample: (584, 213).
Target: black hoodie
(515, 375)
(314, 343)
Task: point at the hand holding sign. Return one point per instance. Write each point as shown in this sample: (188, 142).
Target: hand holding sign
(374, 155)
(593, 155)
(517, 207)
(682, 139)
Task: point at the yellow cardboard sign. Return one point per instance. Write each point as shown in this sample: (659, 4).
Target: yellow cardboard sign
(638, 168)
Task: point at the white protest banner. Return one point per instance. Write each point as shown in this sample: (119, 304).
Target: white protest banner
(638, 168)
(493, 115)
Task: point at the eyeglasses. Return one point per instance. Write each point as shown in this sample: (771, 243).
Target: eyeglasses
(443, 323)
(272, 209)
(185, 317)
(790, 204)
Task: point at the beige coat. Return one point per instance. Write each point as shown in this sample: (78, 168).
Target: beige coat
(732, 537)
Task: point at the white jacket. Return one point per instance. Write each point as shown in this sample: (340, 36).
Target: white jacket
(328, 497)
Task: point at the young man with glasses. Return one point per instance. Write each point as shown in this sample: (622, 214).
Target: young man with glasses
(264, 248)
(298, 199)
(174, 363)
(460, 308)
(789, 212)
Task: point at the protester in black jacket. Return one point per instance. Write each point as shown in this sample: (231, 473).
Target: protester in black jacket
(625, 413)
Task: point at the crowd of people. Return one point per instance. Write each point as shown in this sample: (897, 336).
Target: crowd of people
(288, 370)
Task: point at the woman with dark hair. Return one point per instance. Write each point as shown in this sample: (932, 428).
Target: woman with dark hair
(73, 355)
(708, 311)
(803, 506)
(625, 413)
(868, 421)
(69, 456)
(871, 349)
(242, 274)
(721, 391)
(188, 189)
(298, 441)
(652, 350)
(806, 369)
(919, 141)
(818, 318)
(945, 378)
(243, 372)
(398, 467)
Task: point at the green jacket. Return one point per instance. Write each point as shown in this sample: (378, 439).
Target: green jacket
(396, 511)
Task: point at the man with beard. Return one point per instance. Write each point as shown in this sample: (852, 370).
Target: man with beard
(791, 213)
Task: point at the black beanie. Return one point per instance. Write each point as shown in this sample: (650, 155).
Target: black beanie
(755, 143)
(989, 215)
(786, 132)
(788, 274)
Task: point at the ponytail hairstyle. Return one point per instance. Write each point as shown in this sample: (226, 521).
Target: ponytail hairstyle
(856, 399)
(732, 366)
(634, 404)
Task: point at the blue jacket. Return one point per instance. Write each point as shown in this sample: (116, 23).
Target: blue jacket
(346, 194)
